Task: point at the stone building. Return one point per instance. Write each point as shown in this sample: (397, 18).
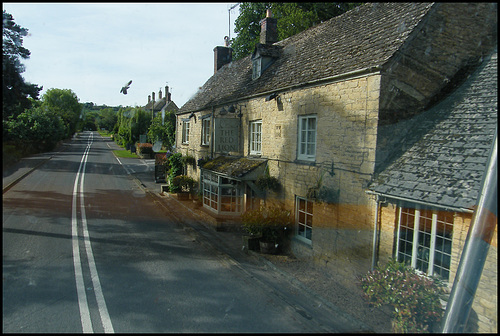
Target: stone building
(162, 105)
(330, 112)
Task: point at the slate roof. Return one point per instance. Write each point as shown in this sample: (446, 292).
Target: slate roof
(159, 104)
(364, 37)
(445, 167)
(232, 166)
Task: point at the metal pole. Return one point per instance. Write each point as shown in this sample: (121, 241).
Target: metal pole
(375, 234)
(475, 251)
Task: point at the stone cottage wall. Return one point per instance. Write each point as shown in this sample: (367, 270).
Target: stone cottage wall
(347, 113)
(484, 315)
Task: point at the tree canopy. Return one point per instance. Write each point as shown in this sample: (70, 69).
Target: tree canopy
(292, 19)
(15, 90)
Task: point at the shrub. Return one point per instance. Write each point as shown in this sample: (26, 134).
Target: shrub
(144, 149)
(175, 166)
(189, 160)
(268, 183)
(182, 183)
(415, 297)
(271, 222)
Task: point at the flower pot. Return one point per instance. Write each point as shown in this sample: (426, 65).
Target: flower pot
(250, 242)
(183, 196)
(268, 248)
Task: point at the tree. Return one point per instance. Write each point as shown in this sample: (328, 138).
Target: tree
(15, 90)
(36, 128)
(107, 118)
(292, 19)
(165, 132)
(64, 103)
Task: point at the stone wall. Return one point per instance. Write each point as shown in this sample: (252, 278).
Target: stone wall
(484, 315)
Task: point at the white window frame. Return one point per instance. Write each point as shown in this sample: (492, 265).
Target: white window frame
(306, 146)
(185, 132)
(304, 219)
(255, 138)
(426, 241)
(256, 67)
(205, 131)
(221, 194)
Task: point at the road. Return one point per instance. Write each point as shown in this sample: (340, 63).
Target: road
(86, 250)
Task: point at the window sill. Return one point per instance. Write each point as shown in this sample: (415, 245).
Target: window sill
(305, 162)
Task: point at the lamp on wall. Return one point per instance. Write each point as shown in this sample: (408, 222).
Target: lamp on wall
(222, 111)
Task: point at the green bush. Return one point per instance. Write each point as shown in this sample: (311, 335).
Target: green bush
(175, 166)
(415, 297)
(144, 149)
(182, 183)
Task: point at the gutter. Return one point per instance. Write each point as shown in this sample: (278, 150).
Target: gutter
(371, 192)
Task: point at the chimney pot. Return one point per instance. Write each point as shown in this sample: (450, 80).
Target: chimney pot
(149, 99)
(153, 94)
(159, 94)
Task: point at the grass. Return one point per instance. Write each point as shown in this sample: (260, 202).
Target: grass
(123, 153)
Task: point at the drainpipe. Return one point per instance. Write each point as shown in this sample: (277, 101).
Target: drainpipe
(375, 234)
(475, 251)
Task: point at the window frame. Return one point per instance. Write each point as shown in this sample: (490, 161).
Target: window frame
(255, 138)
(308, 217)
(221, 194)
(185, 131)
(256, 67)
(304, 145)
(435, 229)
(206, 130)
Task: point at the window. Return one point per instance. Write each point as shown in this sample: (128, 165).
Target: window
(256, 137)
(307, 138)
(256, 67)
(424, 240)
(205, 131)
(185, 131)
(222, 194)
(304, 218)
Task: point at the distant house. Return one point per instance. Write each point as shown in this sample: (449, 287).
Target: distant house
(162, 105)
(342, 114)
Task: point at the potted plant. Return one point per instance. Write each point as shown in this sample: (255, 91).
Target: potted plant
(183, 185)
(271, 224)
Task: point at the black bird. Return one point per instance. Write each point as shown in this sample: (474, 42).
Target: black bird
(125, 88)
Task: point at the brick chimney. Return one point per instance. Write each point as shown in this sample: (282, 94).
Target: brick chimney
(222, 55)
(167, 94)
(269, 29)
(159, 95)
(153, 94)
(149, 99)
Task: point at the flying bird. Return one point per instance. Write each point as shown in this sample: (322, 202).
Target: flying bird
(125, 88)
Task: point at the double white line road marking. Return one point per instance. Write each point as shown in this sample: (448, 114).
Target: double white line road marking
(80, 286)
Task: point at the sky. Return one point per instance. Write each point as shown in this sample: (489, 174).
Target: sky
(96, 48)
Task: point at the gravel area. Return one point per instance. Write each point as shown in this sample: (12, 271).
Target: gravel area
(346, 295)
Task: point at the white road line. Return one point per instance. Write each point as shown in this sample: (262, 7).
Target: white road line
(80, 286)
(101, 302)
(82, 297)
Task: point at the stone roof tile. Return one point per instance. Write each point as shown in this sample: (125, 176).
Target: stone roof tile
(364, 37)
(451, 175)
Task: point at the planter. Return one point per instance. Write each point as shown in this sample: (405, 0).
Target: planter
(268, 248)
(250, 242)
(183, 196)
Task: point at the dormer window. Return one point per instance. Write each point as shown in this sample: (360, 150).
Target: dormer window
(256, 67)
(262, 58)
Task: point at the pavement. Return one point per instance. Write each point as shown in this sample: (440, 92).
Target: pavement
(227, 243)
